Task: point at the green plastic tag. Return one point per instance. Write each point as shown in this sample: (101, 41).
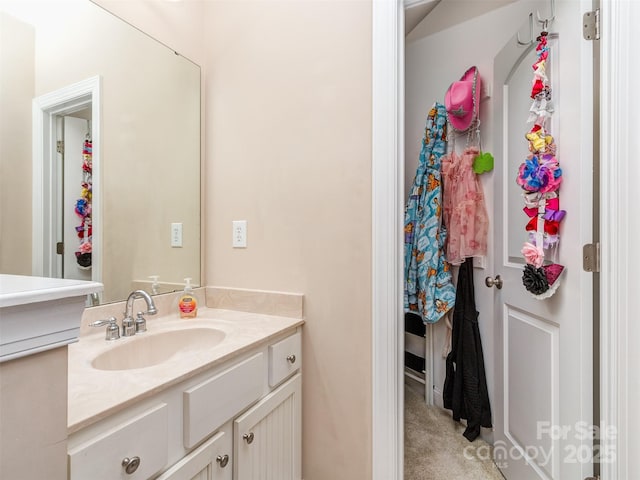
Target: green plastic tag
(483, 163)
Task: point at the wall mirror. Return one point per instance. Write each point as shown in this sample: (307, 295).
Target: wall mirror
(112, 169)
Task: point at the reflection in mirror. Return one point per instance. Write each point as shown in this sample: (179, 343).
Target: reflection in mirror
(145, 154)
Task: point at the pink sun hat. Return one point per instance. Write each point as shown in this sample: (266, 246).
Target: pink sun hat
(462, 100)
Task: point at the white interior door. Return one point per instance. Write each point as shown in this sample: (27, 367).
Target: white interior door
(542, 405)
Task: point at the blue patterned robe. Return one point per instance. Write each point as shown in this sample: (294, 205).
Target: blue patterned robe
(428, 287)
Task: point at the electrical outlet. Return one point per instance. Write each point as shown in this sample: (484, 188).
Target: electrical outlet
(239, 234)
(176, 235)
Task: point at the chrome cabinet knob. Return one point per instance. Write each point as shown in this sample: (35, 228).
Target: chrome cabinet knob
(291, 359)
(493, 282)
(248, 437)
(222, 460)
(131, 464)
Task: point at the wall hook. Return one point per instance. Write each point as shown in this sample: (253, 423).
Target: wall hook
(545, 22)
(530, 41)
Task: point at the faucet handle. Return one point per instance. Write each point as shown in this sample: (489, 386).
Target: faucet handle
(141, 323)
(113, 332)
(128, 327)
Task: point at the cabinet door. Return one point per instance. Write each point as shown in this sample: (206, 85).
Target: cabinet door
(210, 461)
(267, 438)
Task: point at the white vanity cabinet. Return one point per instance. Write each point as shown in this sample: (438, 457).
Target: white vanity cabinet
(200, 428)
(135, 448)
(267, 436)
(210, 461)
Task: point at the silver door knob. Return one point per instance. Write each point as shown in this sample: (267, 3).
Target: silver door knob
(291, 359)
(223, 460)
(248, 437)
(493, 282)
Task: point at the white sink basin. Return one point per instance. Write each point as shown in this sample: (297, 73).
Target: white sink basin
(150, 349)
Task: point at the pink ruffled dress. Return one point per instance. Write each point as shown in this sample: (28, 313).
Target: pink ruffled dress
(464, 210)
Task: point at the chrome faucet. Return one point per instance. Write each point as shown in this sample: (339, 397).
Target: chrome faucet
(129, 325)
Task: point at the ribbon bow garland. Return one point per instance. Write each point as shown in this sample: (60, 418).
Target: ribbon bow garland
(540, 177)
(83, 207)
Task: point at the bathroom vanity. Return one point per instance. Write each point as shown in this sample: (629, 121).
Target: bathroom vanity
(39, 317)
(223, 402)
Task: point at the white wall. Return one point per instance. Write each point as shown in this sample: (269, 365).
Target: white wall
(432, 63)
(631, 378)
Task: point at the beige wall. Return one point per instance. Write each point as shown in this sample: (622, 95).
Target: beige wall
(178, 25)
(288, 135)
(288, 119)
(16, 91)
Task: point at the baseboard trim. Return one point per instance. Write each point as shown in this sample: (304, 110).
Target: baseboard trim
(438, 398)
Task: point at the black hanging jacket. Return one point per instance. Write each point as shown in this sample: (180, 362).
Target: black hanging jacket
(465, 386)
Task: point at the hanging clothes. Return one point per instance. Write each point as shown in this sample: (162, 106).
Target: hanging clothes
(465, 385)
(428, 288)
(465, 213)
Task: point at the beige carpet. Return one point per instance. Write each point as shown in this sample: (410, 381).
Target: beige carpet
(434, 448)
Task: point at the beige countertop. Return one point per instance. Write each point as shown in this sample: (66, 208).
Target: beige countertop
(95, 394)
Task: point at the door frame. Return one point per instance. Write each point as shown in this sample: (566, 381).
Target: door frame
(387, 239)
(616, 144)
(45, 109)
(618, 149)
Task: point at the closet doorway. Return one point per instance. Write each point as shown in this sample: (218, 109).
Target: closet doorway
(72, 202)
(538, 353)
(66, 183)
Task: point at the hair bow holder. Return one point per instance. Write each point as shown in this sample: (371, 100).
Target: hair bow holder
(540, 176)
(83, 208)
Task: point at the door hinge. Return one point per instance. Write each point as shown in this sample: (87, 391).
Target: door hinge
(60, 248)
(60, 146)
(591, 25)
(591, 257)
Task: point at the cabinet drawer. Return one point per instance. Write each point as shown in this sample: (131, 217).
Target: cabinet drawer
(210, 404)
(143, 436)
(285, 357)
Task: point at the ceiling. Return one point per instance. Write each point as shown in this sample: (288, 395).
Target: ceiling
(419, 23)
(415, 12)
